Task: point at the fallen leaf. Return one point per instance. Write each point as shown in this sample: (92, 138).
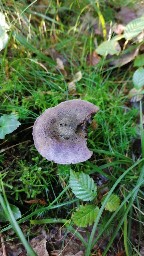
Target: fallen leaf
(54, 54)
(135, 95)
(72, 248)
(39, 245)
(93, 59)
(80, 253)
(118, 28)
(60, 66)
(94, 125)
(124, 59)
(36, 201)
(77, 77)
(122, 253)
(71, 85)
(59, 59)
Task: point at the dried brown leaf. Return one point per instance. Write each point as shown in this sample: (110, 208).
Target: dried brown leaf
(124, 58)
(122, 253)
(118, 28)
(135, 95)
(36, 201)
(54, 54)
(71, 85)
(93, 59)
(77, 77)
(60, 66)
(39, 245)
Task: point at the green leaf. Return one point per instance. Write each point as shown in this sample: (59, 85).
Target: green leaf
(139, 61)
(138, 78)
(113, 203)
(3, 39)
(109, 47)
(134, 28)
(85, 215)
(83, 186)
(15, 210)
(3, 31)
(8, 123)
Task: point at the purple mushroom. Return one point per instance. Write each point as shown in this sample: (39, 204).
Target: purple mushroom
(60, 132)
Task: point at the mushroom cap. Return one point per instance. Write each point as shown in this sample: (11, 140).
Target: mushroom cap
(59, 133)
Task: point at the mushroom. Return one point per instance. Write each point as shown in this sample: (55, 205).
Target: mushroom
(60, 132)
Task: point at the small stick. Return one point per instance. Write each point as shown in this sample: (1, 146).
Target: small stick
(3, 245)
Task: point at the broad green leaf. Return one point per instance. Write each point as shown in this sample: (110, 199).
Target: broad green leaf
(109, 47)
(134, 28)
(113, 203)
(139, 61)
(83, 186)
(15, 210)
(3, 31)
(8, 123)
(138, 78)
(3, 39)
(85, 215)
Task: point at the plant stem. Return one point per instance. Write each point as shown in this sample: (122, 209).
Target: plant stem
(141, 130)
(126, 235)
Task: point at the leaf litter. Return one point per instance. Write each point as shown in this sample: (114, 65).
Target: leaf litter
(53, 243)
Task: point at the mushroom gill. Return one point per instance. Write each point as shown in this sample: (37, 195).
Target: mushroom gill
(60, 132)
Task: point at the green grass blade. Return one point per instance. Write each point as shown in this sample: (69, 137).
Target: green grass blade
(90, 241)
(43, 209)
(15, 226)
(139, 183)
(141, 129)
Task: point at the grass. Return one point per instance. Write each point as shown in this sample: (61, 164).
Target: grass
(8, 212)
(31, 83)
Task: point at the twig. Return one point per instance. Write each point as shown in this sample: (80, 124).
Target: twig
(5, 149)
(3, 245)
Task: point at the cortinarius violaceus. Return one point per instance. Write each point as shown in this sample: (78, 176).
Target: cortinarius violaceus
(60, 132)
